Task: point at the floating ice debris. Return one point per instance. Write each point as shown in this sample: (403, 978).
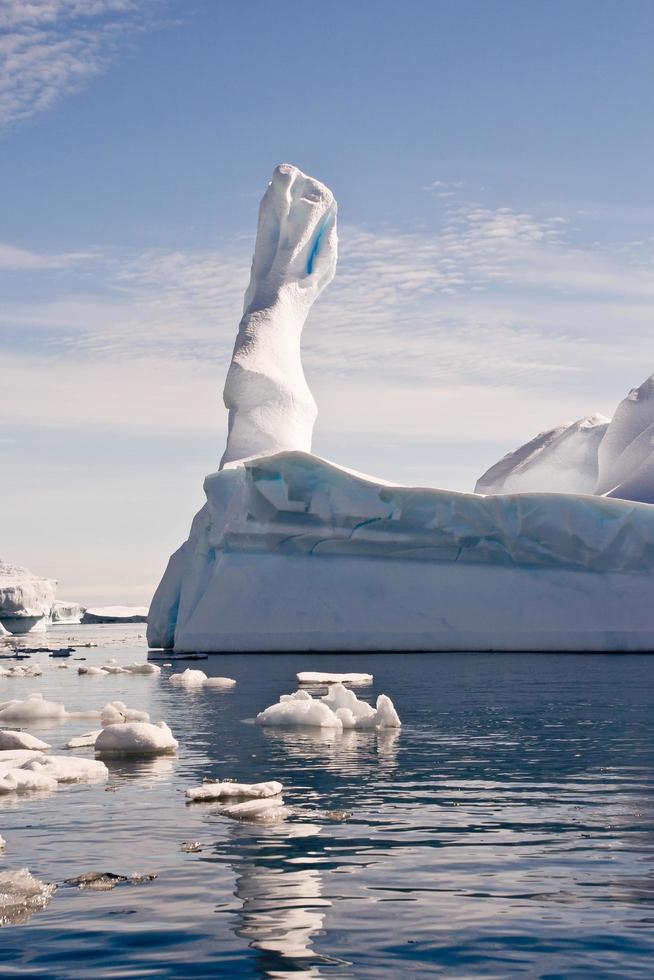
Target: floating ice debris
(135, 738)
(198, 678)
(83, 741)
(189, 678)
(29, 772)
(116, 712)
(189, 846)
(103, 881)
(64, 769)
(3, 843)
(21, 894)
(34, 708)
(88, 670)
(143, 668)
(113, 667)
(30, 670)
(226, 790)
(21, 740)
(339, 709)
(265, 810)
(317, 677)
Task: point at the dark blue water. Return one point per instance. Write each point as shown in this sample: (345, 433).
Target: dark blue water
(507, 829)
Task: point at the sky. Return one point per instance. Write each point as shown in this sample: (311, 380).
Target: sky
(493, 167)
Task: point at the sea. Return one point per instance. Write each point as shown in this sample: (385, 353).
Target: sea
(507, 829)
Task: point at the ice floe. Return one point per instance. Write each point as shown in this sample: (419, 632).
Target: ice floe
(339, 709)
(33, 708)
(116, 712)
(21, 740)
(267, 810)
(83, 741)
(18, 670)
(21, 894)
(320, 677)
(29, 772)
(135, 738)
(198, 678)
(227, 791)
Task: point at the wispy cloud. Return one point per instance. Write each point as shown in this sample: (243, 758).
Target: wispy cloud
(14, 258)
(53, 48)
(490, 329)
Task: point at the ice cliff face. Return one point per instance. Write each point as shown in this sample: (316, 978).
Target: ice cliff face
(269, 402)
(612, 457)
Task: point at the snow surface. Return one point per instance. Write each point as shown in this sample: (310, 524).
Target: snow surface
(21, 740)
(626, 454)
(339, 708)
(227, 791)
(270, 405)
(318, 677)
(135, 738)
(21, 894)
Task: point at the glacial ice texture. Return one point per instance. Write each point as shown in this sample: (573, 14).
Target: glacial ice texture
(270, 405)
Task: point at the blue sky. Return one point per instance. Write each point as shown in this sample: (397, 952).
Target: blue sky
(492, 163)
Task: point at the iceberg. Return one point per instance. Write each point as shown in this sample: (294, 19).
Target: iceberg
(65, 613)
(115, 614)
(339, 709)
(607, 457)
(292, 552)
(25, 599)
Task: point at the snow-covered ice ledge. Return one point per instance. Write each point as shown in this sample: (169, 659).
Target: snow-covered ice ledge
(291, 552)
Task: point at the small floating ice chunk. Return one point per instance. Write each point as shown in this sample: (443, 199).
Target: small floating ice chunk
(24, 780)
(21, 740)
(226, 791)
(103, 881)
(21, 894)
(189, 678)
(18, 670)
(116, 712)
(318, 677)
(113, 667)
(223, 682)
(339, 709)
(64, 769)
(83, 741)
(3, 843)
(34, 708)
(265, 810)
(135, 738)
(142, 668)
(90, 671)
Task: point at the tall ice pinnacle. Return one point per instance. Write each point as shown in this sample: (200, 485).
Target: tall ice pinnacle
(270, 405)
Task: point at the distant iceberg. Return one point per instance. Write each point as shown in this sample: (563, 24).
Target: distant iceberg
(292, 552)
(25, 599)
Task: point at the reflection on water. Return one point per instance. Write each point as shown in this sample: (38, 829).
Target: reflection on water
(283, 907)
(506, 829)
